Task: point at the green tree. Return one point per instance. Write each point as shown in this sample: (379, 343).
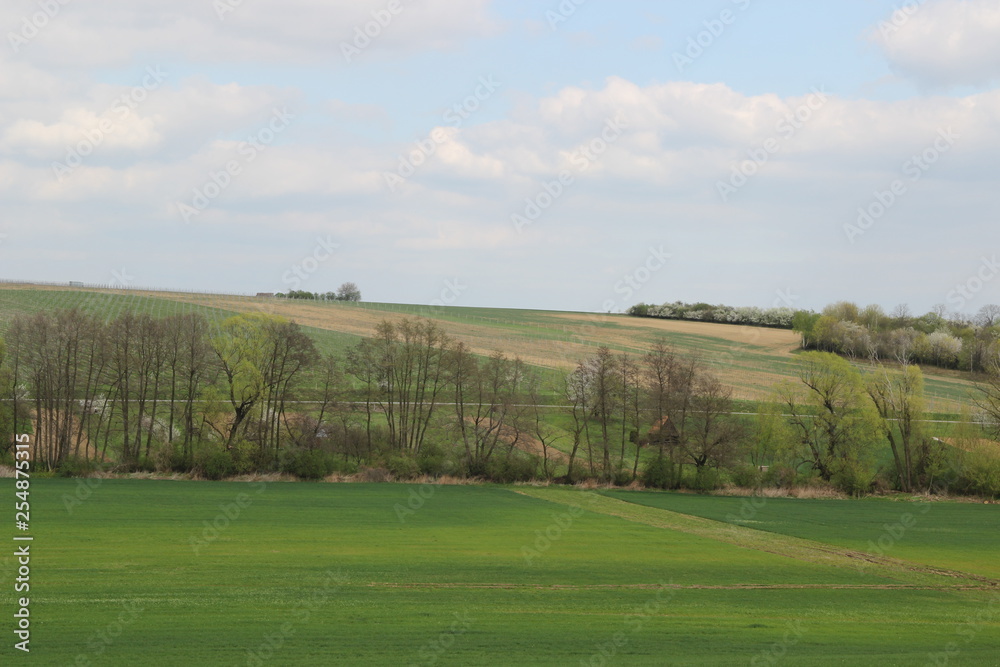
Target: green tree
(261, 355)
(348, 292)
(834, 420)
(898, 397)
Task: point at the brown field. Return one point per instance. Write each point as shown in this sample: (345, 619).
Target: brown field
(774, 341)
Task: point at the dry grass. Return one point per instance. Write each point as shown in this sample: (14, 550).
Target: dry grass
(774, 341)
(810, 492)
(967, 445)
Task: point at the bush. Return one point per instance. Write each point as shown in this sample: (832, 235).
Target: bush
(74, 466)
(659, 473)
(980, 471)
(706, 479)
(178, 461)
(308, 463)
(216, 464)
(749, 477)
(513, 469)
(780, 475)
(622, 477)
(402, 466)
(434, 461)
(853, 478)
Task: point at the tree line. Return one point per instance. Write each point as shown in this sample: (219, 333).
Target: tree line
(779, 317)
(346, 292)
(935, 338)
(253, 394)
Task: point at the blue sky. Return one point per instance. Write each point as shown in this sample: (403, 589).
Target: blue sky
(584, 168)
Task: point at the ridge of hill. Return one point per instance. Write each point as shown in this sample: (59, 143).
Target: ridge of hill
(749, 359)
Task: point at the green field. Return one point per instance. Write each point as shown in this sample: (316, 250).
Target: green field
(749, 359)
(337, 574)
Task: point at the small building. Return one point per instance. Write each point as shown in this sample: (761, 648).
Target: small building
(663, 434)
(265, 295)
(75, 283)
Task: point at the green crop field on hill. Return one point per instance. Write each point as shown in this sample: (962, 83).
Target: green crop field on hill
(749, 359)
(128, 572)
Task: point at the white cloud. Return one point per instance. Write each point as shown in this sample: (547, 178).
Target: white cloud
(109, 34)
(943, 43)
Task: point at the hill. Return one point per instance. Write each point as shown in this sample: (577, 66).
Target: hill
(749, 359)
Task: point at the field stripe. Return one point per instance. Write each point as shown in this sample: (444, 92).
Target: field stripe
(707, 587)
(905, 572)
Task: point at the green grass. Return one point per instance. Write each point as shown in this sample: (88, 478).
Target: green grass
(961, 536)
(122, 563)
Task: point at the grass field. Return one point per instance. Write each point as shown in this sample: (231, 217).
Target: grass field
(330, 574)
(749, 359)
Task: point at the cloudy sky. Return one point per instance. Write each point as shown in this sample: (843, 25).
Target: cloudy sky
(581, 156)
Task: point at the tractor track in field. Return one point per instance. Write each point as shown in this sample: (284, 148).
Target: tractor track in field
(906, 572)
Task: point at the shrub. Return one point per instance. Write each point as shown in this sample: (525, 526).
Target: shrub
(705, 479)
(308, 463)
(75, 466)
(434, 461)
(622, 477)
(513, 469)
(402, 466)
(216, 464)
(750, 477)
(980, 471)
(178, 461)
(780, 475)
(853, 478)
(659, 473)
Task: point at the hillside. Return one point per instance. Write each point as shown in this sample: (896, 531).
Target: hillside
(749, 359)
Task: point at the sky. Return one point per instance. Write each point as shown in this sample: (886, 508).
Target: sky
(575, 155)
